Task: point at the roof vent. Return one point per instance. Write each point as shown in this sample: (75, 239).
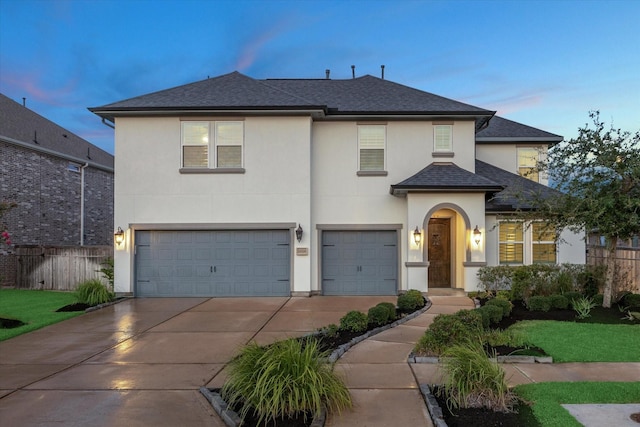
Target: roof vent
(327, 72)
(35, 136)
(353, 71)
(24, 101)
(382, 68)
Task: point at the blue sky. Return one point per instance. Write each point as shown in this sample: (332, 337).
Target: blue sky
(542, 63)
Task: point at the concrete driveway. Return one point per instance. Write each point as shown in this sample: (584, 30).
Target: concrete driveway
(141, 362)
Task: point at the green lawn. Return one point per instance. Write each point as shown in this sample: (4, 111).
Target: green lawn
(35, 308)
(583, 342)
(548, 397)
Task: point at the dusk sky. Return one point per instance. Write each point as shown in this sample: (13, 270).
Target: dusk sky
(542, 63)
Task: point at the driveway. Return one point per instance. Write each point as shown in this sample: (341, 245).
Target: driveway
(141, 362)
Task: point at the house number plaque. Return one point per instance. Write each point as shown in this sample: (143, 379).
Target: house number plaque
(302, 251)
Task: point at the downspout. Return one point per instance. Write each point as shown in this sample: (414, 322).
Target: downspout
(82, 203)
(104, 122)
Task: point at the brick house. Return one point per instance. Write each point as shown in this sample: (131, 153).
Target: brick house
(62, 184)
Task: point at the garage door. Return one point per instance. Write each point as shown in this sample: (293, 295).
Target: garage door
(212, 263)
(359, 262)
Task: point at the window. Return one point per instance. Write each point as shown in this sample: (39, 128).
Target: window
(527, 160)
(519, 244)
(443, 138)
(212, 144)
(371, 146)
(543, 243)
(511, 243)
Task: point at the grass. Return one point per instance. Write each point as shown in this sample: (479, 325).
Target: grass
(35, 308)
(583, 342)
(548, 397)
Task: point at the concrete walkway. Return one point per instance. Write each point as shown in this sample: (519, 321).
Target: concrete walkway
(142, 361)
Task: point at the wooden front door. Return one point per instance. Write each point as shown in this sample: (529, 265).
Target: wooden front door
(439, 248)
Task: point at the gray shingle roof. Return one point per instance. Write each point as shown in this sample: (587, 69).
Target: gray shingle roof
(506, 200)
(445, 177)
(504, 130)
(24, 125)
(235, 91)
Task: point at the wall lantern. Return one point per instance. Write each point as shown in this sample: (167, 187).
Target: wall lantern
(417, 236)
(118, 236)
(299, 233)
(477, 236)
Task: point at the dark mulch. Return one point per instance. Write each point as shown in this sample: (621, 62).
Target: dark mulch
(78, 306)
(10, 323)
(478, 417)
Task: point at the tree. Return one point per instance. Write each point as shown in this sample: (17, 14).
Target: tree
(598, 175)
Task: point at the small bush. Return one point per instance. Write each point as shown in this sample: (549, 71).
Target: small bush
(354, 321)
(504, 304)
(449, 329)
(378, 315)
(506, 295)
(284, 379)
(509, 337)
(492, 313)
(391, 309)
(475, 381)
(631, 300)
(583, 307)
(572, 296)
(564, 282)
(591, 280)
(411, 300)
(597, 299)
(496, 278)
(559, 301)
(539, 303)
(93, 292)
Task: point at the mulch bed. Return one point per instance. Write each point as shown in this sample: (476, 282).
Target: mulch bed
(10, 323)
(78, 306)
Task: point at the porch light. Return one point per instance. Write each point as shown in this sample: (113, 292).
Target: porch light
(477, 236)
(118, 236)
(299, 233)
(417, 236)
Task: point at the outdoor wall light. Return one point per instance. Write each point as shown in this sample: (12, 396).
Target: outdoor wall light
(477, 236)
(118, 236)
(299, 233)
(417, 236)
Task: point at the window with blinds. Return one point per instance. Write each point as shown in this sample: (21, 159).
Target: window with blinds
(511, 243)
(212, 144)
(527, 161)
(543, 243)
(371, 146)
(443, 138)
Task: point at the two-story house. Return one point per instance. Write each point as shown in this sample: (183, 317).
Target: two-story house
(62, 186)
(237, 186)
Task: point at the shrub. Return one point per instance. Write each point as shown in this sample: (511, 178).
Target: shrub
(391, 309)
(583, 306)
(591, 280)
(564, 282)
(494, 279)
(378, 315)
(490, 313)
(572, 296)
(93, 292)
(286, 378)
(411, 300)
(539, 303)
(107, 272)
(506, 295)
(509, 337)
(597, 299)
(354, 321)
(631, 300)
(449, 329)
(559, 301)
(475, 381)
(504, 304)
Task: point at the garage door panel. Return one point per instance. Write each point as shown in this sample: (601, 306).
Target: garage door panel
(213, 263)
(359, 262)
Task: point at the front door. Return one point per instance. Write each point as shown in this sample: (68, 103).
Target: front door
(439, 252)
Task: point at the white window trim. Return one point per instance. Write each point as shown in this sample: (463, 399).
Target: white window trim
(212, 148)
(380, 172)
(435, 130)
(528, 242)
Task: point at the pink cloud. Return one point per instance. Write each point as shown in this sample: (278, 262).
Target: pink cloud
(33, 88)
(251, 50)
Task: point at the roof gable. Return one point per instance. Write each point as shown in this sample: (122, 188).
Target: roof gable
(445, 177)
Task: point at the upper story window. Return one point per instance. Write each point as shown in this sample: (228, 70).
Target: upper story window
(443, 138)
(527, 161)
(212, 145)
(371, 148)
(519, 244)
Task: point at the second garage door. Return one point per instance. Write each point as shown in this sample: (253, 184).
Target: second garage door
(359, 262)
(212, 263)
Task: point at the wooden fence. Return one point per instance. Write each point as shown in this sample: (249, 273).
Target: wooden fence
(627, 264)
(59, 267)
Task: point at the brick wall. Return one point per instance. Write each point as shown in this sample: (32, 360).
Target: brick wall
(48, 197)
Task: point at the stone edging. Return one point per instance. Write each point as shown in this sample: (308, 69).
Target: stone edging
(501, 359)
(106, 304)
(435, 411)
(231, 418)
